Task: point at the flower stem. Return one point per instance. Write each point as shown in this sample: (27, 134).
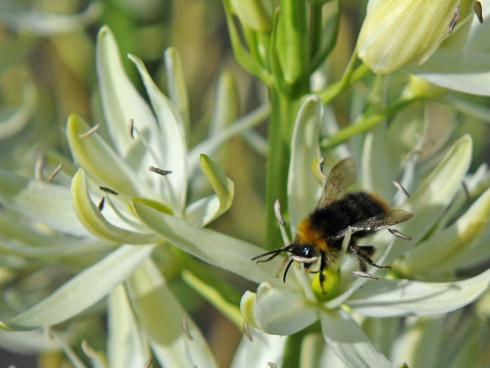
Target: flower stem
(365, 123)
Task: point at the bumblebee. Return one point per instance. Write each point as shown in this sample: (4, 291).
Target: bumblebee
(340, 217)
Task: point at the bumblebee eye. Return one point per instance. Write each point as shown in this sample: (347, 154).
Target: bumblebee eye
(308, 251)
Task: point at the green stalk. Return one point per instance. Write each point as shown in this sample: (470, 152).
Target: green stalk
(365, 123)
(280, 127)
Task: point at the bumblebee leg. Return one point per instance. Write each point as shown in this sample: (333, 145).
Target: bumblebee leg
(364, 253)
(321, 276)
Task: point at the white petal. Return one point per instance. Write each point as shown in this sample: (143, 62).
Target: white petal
(303, 187)
(263, 349)
(223, 251)
(126, 348)
(389, 298)
(15, 121)
(175, 339)
(350, 343)
(82, 291)
(282, 311)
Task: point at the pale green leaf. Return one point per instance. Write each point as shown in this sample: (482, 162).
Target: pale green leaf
(40, 202)
(171, 139)
(99, 160)
(303, 187)
(82, 291)
(173, 336)
(350, 343)
(91, 217)
(210, 246)
(126, 347)
(389, 298)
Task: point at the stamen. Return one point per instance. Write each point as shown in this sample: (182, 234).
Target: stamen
(160, 171)
(89, 132)
(109, 190)
(454, 20)
(56, 170)
(281, 222)
(39, 167)
(100, 206)
(477, 7)
(321, 166)
(247, 332)
(401, 188)
(185, 327)
(399, 234)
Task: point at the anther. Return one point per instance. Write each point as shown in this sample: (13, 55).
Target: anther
(160, 171)
(478, 11)
(108, 190)
(101, 204)
(131, 128)
(89, 132)
(454, 20)
(185, 328)
(39, 167)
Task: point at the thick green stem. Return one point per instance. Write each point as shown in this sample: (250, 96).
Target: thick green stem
(283, 115)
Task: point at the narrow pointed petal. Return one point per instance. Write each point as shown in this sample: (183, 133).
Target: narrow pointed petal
(303, 187)
(171, 143)
(390, 298)
(439, 250)
(222, 186)
(126, 347)
(120, 99)
(91, 217)
(210, 246)
(431, 198)
(82, 291)
(173, 336)
(260, 350)
(349, 342)
(99, 160)
(176, 85)
(40, 202)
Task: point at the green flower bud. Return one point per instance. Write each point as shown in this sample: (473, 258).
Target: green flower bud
(256, 14)
(397, 33)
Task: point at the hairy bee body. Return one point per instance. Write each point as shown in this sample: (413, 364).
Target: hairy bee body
(353, 216)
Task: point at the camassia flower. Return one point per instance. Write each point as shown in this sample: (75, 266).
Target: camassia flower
(279, 308)
(139, 156)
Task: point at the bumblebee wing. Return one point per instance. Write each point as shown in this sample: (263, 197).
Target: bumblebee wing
(342, 175)
(392, 217)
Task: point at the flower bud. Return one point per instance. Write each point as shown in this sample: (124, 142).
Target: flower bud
(256, 14)
(397, 33)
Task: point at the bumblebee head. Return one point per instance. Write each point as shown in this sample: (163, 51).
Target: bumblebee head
(302, 253)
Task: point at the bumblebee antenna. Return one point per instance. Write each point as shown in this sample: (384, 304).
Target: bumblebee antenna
(270, 255)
